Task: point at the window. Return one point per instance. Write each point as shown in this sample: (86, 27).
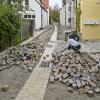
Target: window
(33, 16)
(26, 4)
(69, 8)
(29, 16)
(25, 16)
(69, 20)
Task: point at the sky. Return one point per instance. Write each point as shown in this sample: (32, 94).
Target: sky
(53, 2)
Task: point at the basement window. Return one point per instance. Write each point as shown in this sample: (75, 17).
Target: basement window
(29, 16)
(25, 16)
(33, 16)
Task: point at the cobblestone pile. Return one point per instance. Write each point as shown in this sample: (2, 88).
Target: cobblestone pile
(77, 72)
(25, 55)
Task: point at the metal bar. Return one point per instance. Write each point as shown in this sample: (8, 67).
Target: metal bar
(76, 15)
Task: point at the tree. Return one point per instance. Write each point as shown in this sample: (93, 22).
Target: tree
(9, 25)
(55, 16)
(55, 13)
(50, 15)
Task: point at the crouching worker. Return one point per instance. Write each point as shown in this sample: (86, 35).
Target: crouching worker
(72, 44)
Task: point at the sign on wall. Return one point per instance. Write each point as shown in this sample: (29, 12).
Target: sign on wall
(92, 22)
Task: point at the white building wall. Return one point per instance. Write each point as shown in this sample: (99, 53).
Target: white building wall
(73, 15)
(48, 16)
(68, 14)
(41, 16)
(62, 16)
(44, 18)
(36, 7)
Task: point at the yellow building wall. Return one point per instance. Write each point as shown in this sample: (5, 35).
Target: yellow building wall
(90, 10)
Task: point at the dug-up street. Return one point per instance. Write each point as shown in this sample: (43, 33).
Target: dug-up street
(37, 70)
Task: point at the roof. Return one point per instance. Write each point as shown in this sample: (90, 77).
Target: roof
(45, 3)
(41, 4)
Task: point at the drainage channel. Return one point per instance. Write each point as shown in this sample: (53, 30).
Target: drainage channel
(35, 87)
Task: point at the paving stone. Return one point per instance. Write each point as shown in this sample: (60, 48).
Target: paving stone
(74, 85)
(60, 79)
(78, 83)
(5, 88)
(90, 93)
(97, 90)
(86, 89)
(64, 76)
(24, 66)
(76, 72)
(52, 79)
(64, 81)
(30, 69)
(57, 77)
(70, 81)
(70, 89)
(21, 54)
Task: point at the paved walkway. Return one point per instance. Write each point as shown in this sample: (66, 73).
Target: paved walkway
(35, 87)
(91, 47)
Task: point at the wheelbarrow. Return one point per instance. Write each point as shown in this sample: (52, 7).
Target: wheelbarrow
(71, 35)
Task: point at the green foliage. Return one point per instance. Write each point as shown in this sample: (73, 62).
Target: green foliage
(9, 25)
(14, 1)
(55, 16)
(78, 17)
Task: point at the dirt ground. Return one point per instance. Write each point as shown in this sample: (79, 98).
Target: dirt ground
(15, 77)
(58, 91)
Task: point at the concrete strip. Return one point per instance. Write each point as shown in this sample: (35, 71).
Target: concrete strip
(35, 87)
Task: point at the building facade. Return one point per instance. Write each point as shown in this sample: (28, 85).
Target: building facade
(41, 12)
(90, 19)
(67, 14)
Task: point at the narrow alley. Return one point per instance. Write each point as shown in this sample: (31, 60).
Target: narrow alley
(49, 49)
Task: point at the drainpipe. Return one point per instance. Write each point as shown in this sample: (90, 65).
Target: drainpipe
(76, 15)
(41, 18)
(73, 14)
(47, 18)
(70, 15)
(65, 14)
